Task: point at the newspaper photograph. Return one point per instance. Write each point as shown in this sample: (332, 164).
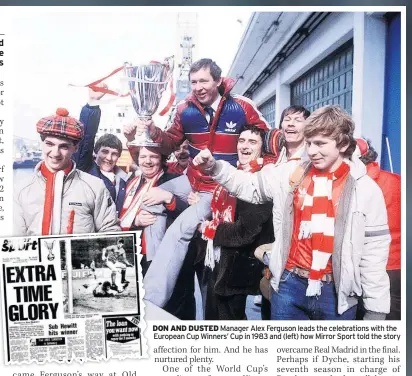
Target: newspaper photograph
(72, 298)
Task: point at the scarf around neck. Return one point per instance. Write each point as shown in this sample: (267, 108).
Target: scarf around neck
(223, 210)
(134, 197)
(318, 222)
(52, 209)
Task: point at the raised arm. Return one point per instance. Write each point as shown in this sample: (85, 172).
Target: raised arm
(256, 188)
(90, 118)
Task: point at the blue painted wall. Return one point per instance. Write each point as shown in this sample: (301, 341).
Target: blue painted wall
(392, 101)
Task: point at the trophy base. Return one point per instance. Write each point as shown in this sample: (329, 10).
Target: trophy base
(144, 143)
(144, 140)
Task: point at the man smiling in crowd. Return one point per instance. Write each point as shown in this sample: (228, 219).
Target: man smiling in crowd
(58, 198)
(107, 151)
(182, 156)
(236, 229)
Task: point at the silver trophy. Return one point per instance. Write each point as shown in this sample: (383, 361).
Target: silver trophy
(50, 245)
(146, 86)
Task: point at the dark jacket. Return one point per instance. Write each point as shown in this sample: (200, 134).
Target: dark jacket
(238, 271)
(90, 117)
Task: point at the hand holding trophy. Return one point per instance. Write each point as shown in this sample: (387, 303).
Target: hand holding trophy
(146, 86)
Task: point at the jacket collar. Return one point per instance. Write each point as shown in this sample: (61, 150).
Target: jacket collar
(69, 175)
(357, 167)
(118, 172)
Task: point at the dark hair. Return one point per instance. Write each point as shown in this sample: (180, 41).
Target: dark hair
(120, 240)
(256, 130)
(135, 152)
(215, 70)
(333, 122)
(293, 110)
(110, 141)
(370, 156)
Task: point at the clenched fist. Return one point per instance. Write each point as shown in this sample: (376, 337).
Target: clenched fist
(204, 159)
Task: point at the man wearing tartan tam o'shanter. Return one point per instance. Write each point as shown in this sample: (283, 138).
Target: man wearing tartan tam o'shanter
(58, 198)
(330, 224)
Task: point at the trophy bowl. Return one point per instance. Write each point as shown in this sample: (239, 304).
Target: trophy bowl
(146, 84)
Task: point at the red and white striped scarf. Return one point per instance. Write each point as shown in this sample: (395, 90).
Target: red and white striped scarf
(52, 208)
(318, 222)
(134, 199)
(223, 210)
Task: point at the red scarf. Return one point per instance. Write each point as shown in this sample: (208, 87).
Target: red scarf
(52, 193)
(223, 210)
(318, 222)
(133, 199)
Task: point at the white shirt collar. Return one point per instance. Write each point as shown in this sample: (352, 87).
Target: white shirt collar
(215, 104)
(110, 175)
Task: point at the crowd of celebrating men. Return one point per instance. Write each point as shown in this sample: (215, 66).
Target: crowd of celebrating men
(301, 213)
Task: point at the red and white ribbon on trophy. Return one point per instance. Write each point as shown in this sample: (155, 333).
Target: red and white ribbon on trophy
(94, 86)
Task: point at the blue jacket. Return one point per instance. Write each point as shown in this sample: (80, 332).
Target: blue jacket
(232, 114)
(90, 117)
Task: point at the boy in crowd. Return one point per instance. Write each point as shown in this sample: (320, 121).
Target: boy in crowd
(330, 223)
(58, 198)
(107, 150)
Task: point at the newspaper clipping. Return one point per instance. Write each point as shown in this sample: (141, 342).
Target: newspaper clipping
(71, 298)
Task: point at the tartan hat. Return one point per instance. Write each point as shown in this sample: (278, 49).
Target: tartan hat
(61, 125)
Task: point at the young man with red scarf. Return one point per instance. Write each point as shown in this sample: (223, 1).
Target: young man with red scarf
(236, 229)
(58, 198)
(330, 225)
